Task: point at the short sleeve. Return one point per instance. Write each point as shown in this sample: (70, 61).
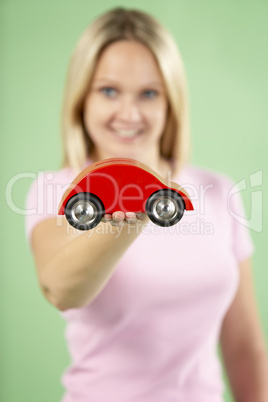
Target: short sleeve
(43, 198)
(242, 243)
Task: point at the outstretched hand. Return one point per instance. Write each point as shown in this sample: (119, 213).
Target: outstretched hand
(119, 218)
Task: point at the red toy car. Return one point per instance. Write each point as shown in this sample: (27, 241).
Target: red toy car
(122, 184)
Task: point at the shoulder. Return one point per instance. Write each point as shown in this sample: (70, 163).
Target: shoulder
(48, 185)
(42, 179)
(205, 175)
(207, 187)
(44, 195)
(205, 178)
(55, 176)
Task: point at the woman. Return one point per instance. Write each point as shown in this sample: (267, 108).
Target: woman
(145, 308)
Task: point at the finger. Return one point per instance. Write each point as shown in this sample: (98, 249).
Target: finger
(131, 217)
(142, 216)
(117, 218)
(106, 218)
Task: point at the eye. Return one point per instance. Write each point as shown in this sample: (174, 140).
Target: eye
(150, 93)
(108, 91)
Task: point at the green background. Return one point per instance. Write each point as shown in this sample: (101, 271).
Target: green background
(224, 47)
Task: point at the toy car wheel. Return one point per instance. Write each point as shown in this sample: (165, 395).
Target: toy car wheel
(84, 211)
(165, 207)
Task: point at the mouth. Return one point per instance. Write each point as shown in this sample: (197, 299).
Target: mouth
(126, 135)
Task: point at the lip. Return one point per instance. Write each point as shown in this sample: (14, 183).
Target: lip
(125, 139)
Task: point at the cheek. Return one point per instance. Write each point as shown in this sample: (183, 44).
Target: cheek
(157, 113)
(95, 112)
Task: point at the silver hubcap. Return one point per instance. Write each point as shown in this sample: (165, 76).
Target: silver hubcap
(84, 212)
(164, 208)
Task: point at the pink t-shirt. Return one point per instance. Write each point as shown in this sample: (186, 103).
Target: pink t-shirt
(151, 335)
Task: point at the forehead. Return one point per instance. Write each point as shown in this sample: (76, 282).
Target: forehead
(123, 60)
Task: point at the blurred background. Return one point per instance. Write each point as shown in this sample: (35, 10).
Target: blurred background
(224, 48)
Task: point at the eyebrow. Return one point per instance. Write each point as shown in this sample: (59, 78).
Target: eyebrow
(118, 82)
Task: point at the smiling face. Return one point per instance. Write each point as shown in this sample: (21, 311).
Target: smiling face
(126, 106)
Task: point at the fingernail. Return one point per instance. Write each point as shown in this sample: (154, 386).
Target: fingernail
(142, 216)
(118, 215)
(130, 215)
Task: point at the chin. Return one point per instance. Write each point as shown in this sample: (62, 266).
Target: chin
(126, 153)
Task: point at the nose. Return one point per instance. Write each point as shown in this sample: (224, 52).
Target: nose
(129, 110)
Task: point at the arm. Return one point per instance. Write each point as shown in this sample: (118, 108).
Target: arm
(243, 345)
(74, 267)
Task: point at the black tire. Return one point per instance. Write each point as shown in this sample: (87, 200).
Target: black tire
(165, 199)
(88, 206)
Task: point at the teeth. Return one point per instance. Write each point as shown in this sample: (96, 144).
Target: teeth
(127, 133)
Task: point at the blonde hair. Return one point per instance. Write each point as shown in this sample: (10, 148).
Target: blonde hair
(122, 24)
